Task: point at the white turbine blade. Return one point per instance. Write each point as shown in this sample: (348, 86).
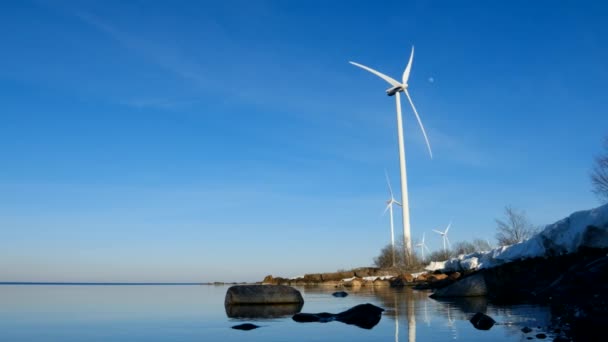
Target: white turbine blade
(448, 227)
(386, 209)
(423, 238)
(438, 232)
(408, 68)
(397, 203)
(427, 249)
(448, 240)
(388, 79)
(389, 184)
(428, 145)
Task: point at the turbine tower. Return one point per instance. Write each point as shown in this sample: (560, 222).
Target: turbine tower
(396, 88)
(444, 236)
(389, 207)
(422, 246)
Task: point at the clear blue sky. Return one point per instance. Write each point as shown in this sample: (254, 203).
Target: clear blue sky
(195, 141)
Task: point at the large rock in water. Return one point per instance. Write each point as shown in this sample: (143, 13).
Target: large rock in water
(262, 294)
(262, 310)
(474, 285)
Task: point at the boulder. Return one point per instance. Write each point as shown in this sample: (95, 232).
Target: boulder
(340, 294)
(422, 277)
(262, 294)
(436, 277)
(313, 278)
(454, 276)
(337, 275)
(354, 282)
(262, 310)
(482, 321)
(365, 316)
(365, 272)
(474, 285)
(402, 280)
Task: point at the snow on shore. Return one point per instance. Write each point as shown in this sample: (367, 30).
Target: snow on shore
(588, 228)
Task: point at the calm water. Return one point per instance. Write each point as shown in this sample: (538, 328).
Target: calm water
(196, 313)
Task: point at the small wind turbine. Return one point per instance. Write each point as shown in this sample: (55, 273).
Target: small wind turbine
(389, 207)
(444, 236)
(396, 88)
(422, 246)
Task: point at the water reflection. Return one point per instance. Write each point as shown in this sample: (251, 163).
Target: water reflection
(447, 319)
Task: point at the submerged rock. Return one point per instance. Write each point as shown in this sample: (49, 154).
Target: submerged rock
(245, 326)
(365, 316)
(482, 321)
(262, 294)
(339, 294)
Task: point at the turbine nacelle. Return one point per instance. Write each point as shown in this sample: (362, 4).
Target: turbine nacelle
(394, 90)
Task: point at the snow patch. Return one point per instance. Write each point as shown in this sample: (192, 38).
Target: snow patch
(588, 228)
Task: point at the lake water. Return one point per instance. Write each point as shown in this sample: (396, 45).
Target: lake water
(196, 313)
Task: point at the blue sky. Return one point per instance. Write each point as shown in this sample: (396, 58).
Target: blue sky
(193, 141)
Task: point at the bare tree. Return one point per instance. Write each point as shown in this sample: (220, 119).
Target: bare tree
(515, 228)
(385, 259)
(482, 245)
(599, 174)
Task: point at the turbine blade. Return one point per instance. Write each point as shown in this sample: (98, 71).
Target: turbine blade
(438, 232)
(428, 250)
(423, 238)
(448, 228)
(389, 183)
(448, 240)
(428, 145)
(397, 203)
(386, 209)
(388, 79)
(408, 68)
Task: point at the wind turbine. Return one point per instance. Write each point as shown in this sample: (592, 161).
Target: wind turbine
(444, 236)
(395, 89)
(422, 246)
(389, 207)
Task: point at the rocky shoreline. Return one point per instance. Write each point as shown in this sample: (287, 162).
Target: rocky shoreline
(369, 277)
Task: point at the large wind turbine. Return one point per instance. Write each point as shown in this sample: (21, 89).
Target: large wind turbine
(389, 207)
(396, 88)
(422, 246)
(444, 236)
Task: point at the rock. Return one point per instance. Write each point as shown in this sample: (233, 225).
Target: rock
(354, 282)
(366, 272)
(402, 280)
(337, 275)
(482, 321)
(436, 277)
(268, 280)
(473, 285)
(340, 294)
(365, 316)
(262, 294)
(422, 277)
(526, 330)
(245, 326)
(541, 336)
(454, 276)
(313, 278)
(262, 310)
